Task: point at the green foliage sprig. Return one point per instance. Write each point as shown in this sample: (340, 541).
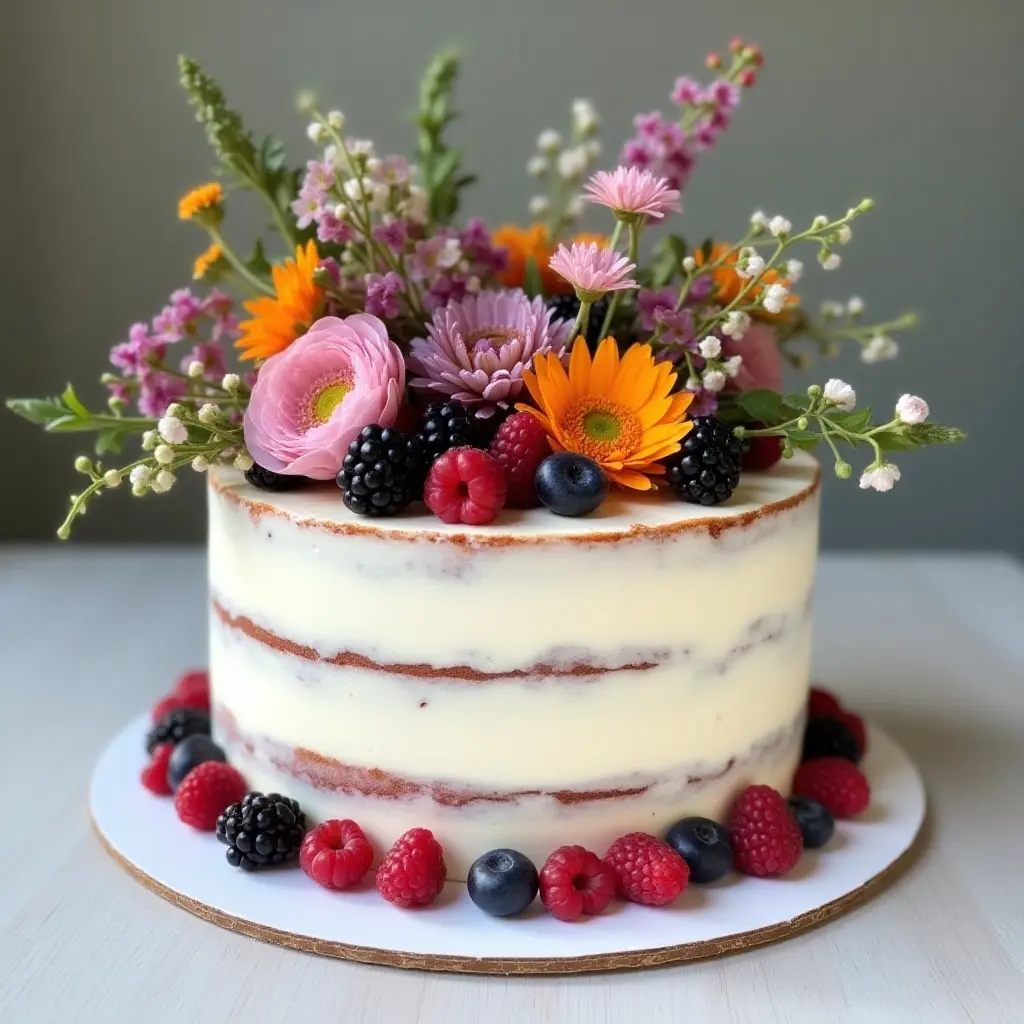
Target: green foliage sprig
(261, 168)
(440, 164)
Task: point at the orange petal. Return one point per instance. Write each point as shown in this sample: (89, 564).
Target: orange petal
(630, 479)
(681, 401)
(579, 366)
(605, 369)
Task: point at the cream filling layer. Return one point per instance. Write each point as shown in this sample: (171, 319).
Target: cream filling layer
(696, 707)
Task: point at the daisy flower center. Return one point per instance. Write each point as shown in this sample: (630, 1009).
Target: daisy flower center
(324, 397)
(601, 429)
(487, 339)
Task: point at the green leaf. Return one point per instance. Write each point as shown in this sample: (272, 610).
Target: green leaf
(797, 400)
(37, 410)
(668, 259)
(706, 249)
(272, 155)
(896, 441)
(532, 284)
(934, 433)
(763, 405)
(70, 399)
(108, 441)
(855, 422)
(258, 262)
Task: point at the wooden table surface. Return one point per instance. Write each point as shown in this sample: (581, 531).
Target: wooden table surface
(930, 647)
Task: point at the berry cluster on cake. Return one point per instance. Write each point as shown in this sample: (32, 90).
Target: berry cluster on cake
(512, 532)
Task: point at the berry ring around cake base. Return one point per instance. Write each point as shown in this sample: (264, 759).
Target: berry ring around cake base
(283, 906)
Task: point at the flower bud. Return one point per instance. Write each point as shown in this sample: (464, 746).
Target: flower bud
(83, 464)
(843, 470)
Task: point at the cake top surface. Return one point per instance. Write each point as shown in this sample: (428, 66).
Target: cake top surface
(784, 486)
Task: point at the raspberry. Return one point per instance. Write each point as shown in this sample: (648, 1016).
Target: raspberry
(154, 775)
(823, 703)
(465, 485)
(834, 782)
(575, 881)
(520, 446)
(206, 791)
(856, 726)
(413, 871)
(172, 702)
(766, 838)
(193, 689)
(336, 854)
(761, 453)
(646, 870)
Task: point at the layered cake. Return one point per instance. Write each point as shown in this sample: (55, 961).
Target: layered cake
(537, 681)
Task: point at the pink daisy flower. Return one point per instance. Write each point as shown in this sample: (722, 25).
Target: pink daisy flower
(631, 192)
(592, 270)
(476, 349)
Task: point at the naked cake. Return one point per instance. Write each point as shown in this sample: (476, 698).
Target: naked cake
(536, 681)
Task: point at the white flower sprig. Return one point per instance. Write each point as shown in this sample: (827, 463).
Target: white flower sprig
(829, 414)
(564, 166)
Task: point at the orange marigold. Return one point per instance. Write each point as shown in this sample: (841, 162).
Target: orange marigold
(206, 259)
(201, 198)
(618, 411)
(279, 319)
(728, 284)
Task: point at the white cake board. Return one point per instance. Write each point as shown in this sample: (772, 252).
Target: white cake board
(188, 868)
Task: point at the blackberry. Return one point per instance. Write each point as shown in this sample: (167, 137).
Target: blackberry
(265, 480)
(707, 468)
(261, 831)
(176, 725)
(382, 472)
(567, 307)
(829, 737)
(444, 426)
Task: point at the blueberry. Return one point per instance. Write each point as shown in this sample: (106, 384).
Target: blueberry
(570, 484)
(705, 845)
(815, 821)
(192, 750)
(502, 882)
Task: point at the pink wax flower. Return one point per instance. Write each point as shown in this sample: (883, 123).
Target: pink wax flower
(593, 270)
(762, 361)
(312, 399)
(629, 191)
(476, 349)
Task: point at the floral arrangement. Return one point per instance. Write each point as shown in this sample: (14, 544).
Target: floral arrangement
(559, 362)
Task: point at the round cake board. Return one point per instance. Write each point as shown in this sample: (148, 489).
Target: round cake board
(188, 868)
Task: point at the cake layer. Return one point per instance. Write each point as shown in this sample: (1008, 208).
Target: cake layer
(545, 730)
(642, 577)
(471, 821)
(529, 683)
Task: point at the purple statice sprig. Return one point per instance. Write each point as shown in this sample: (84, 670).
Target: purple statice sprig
(392, 258)
(190, 409)
(668, 147)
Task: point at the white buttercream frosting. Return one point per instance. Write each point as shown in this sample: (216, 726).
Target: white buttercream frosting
(691, 627)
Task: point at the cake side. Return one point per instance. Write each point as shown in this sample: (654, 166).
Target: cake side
(551, 684)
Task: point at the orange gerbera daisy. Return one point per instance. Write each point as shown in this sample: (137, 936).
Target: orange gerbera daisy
(278, 320)
(729, 284)
(620, 412)
(199, 199)
(206, 259)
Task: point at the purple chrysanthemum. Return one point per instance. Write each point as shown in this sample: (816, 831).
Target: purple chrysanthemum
(476, 349)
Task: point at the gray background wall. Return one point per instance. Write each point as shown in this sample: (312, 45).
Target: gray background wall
(913, 102)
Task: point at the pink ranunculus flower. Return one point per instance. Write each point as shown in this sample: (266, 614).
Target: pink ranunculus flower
(312, 399)
(762, 360)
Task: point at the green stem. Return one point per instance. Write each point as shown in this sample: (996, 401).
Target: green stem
(634, 249)
(581, 324)
(238, 266)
